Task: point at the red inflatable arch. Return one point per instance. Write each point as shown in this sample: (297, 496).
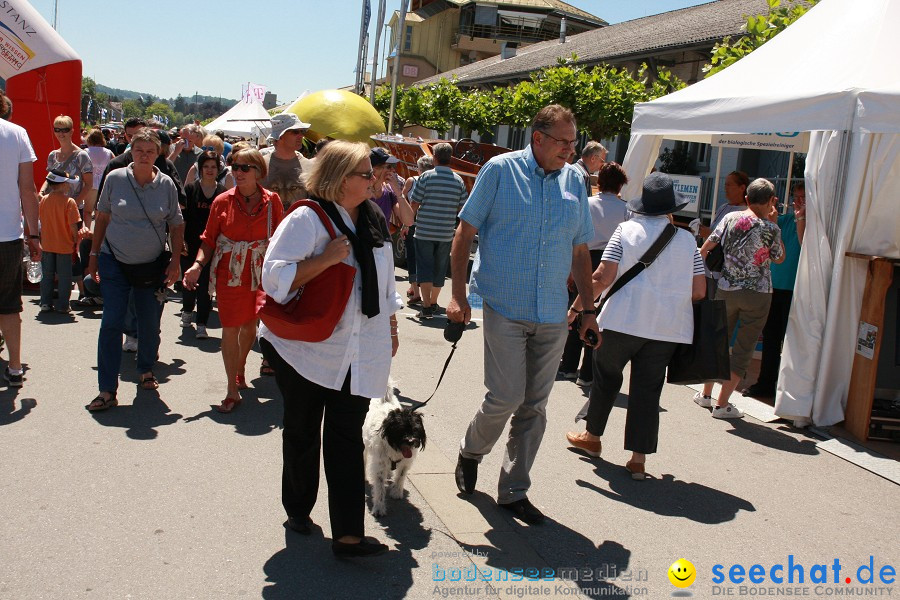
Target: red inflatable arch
(43, 76)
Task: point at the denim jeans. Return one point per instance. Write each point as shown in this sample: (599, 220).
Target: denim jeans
(148, 310)
(60, 265)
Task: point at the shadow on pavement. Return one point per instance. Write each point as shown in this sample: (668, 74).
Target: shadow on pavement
(306, 568)
(575, 558)
(141, 418)
(665, 495)
(8, 412)
(257, 415)
(776, 439)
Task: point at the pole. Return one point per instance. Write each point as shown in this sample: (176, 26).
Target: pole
(400, 40)
(378, 29)
(715, 203)
(55, 12)
(360, 66)
(787, 185)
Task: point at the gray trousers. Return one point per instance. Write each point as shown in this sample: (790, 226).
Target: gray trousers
(520, 361)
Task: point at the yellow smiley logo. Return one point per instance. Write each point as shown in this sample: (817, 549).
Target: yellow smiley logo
(682, 573)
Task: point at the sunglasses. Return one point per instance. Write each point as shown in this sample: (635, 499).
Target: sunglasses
(243, 168)
(364, 174)
(62, 129)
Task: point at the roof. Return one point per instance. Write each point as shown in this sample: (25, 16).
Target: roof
(558, 5)
(696, 26)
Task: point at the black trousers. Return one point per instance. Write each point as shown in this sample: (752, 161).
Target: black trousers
(773, 339)
(649, 359)
(305, 403)
(199, 295)
(574, 346)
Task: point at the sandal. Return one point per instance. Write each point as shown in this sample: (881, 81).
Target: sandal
(265, 369)
(414, 301)
(228, 405)
(241, 382)
(149, 382)
(100, 403)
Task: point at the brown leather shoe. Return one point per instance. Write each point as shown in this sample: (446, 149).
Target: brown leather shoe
(580, 441)
(637, 470)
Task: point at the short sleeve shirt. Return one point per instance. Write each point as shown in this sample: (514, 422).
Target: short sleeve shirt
(15, 149)
(784, 274)
(750, 244)
(74, 166)
(528, 221)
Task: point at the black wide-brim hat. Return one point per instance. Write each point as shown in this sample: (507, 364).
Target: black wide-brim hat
(658, 197)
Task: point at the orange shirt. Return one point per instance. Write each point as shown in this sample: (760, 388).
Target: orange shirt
(58, 213)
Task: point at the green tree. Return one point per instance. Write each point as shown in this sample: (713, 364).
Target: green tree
(132, 108)
(759, 30)
(160, 109)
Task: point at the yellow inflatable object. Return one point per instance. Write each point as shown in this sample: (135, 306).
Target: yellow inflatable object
(338, 114)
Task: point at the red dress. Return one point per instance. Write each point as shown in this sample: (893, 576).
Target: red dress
(229, 227)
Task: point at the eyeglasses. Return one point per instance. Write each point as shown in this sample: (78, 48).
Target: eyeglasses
(62, 129)
(563, 143)
(364, 174)
(243, 168)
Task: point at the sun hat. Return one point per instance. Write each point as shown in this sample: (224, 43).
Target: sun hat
(658, 197)
(285, 122)
(59, 176)
(379, 156)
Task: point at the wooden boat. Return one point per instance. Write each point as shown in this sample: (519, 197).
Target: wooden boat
(468, 155)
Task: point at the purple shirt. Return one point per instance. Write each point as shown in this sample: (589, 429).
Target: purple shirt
(386, 202)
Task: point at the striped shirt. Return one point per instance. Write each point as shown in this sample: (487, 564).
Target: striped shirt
(613, 253)
(528, 222)
(439, 193)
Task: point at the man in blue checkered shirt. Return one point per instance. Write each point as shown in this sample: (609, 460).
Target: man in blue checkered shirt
(530, 211)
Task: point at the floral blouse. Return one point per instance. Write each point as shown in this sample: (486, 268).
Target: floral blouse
(750, 244)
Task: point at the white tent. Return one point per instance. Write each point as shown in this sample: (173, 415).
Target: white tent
(833, 74)
(244, 119)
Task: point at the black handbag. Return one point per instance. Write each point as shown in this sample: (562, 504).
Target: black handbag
(715, 258)
(706, 358)
(149, 274)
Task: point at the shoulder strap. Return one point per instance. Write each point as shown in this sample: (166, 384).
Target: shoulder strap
(645, 261)
(318, 210)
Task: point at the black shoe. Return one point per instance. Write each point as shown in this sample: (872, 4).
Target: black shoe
(525, 511)
(301, 526)
(12, 380)
(758, 391)
(366, 547)
(466, 474)
(427, 313)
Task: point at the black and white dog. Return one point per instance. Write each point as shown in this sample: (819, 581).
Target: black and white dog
(393, 436)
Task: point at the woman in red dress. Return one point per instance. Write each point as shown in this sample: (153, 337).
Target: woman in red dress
(241, 221)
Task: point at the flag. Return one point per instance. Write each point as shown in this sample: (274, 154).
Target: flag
(90, 104)
(103, 114)
(254, 93)
(368, 8)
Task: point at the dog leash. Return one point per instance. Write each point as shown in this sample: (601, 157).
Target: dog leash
(452, 333)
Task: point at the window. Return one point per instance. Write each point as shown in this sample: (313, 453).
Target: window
(407, 43)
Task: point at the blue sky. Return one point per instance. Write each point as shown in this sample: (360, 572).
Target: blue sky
(212, 47)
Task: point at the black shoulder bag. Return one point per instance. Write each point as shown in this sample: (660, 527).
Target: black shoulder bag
(150, 274)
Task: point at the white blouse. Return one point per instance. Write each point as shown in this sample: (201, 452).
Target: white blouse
(358, 343)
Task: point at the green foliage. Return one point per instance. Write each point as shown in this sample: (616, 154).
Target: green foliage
(133, 108)
(759, 30)
(601, 97)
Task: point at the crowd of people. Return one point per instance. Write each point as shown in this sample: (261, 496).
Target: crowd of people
(125, 221)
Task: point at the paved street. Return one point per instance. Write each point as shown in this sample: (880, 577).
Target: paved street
(163, 497)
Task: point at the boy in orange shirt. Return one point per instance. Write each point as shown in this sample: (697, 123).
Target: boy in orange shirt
(59, 217)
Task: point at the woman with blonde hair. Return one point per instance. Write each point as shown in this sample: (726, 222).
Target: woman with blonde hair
(241, 221)
(315, 377)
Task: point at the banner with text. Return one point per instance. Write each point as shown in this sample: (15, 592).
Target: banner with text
(785, 141)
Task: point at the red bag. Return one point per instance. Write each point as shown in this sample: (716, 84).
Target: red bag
(314, 312)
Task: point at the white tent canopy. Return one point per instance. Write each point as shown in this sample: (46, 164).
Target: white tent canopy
(832, 74)
(244, 119)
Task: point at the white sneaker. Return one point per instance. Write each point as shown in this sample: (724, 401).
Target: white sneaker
(701, 400)
(130, 344)
(201, 332)
(729, 411)
(186, 318)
